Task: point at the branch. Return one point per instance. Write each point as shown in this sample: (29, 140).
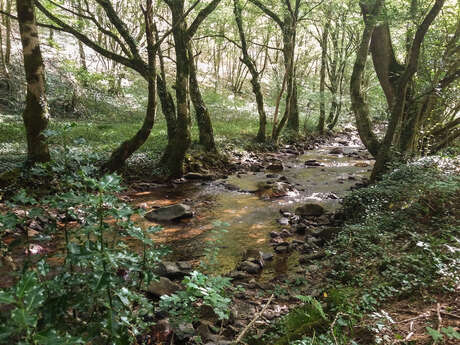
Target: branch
(241, 335)
(417, 42)
(43, 25)
(120, 26)
(268, 12)
(136, 64)
(201, 17)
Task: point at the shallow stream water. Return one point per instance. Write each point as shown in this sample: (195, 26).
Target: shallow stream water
(250, 216)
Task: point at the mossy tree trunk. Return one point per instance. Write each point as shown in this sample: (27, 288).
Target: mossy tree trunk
(127, 148)
(182, 136)
(322, 80)
(35, 114)
(203, 119)
(182, 35)
(395, 80)
(256, 88)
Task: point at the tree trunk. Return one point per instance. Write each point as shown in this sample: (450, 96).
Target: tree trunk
(322, 80)
(358, 104)
(8, 33)
(203, 119)
(169, 111)
(127, 148)
(81, 49)
(35, 114)
(289, 36)
(182, 138)
(256, 89)
(402, 98)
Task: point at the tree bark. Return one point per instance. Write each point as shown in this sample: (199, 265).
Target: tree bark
(35, 114)
(203, 119)
(8, 33)
(399, 107)
(127, 148)
(359, 106)
(256, 88)
(322, 80)
(182, 137)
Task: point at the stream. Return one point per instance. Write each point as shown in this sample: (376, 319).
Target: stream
(250, 215)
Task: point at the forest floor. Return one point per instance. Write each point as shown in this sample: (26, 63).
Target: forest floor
(305, 278)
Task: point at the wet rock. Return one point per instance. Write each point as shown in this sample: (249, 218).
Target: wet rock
(332, 196)
(312, 163)
(274, 234)
(198, 176)
(282, 248)
(267, 256)
(250, 267)
(283, 221)
(169, 213)
(185, 266)
(283, 179)
(285, 233)
(336, 151)
(301, 228)
(256, 168)
(310, 209)
(163, 286)
(170, 270)
(343, 142)
(278, 166)
(273, 176)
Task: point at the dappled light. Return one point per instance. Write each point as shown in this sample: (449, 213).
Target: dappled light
(244, 172)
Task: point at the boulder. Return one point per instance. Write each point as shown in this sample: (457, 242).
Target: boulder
(310, 209)
(169, 213)
(250, 267)
(278, 166)
(336, 151)
(282, 248)
(170, 269)
(312, 163)
(267, 256)
(163, 286)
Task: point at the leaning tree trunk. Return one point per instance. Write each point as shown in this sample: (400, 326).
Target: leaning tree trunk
(35, 114)
(201, 111)
(168, 108)
(127, 148)
(256, 89)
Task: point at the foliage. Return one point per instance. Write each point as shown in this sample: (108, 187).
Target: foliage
(91, 288)
(200, 290)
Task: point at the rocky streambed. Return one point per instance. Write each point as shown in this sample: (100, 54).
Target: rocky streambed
(278, 211)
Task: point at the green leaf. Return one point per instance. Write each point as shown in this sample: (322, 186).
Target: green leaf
(450, 332)
(434, 334)
(6, 298)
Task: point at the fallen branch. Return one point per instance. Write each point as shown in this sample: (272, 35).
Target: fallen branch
(250, 324)
(424, 315)
(438, 311)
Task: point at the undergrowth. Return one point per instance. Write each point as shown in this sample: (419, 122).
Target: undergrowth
(400, 241)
